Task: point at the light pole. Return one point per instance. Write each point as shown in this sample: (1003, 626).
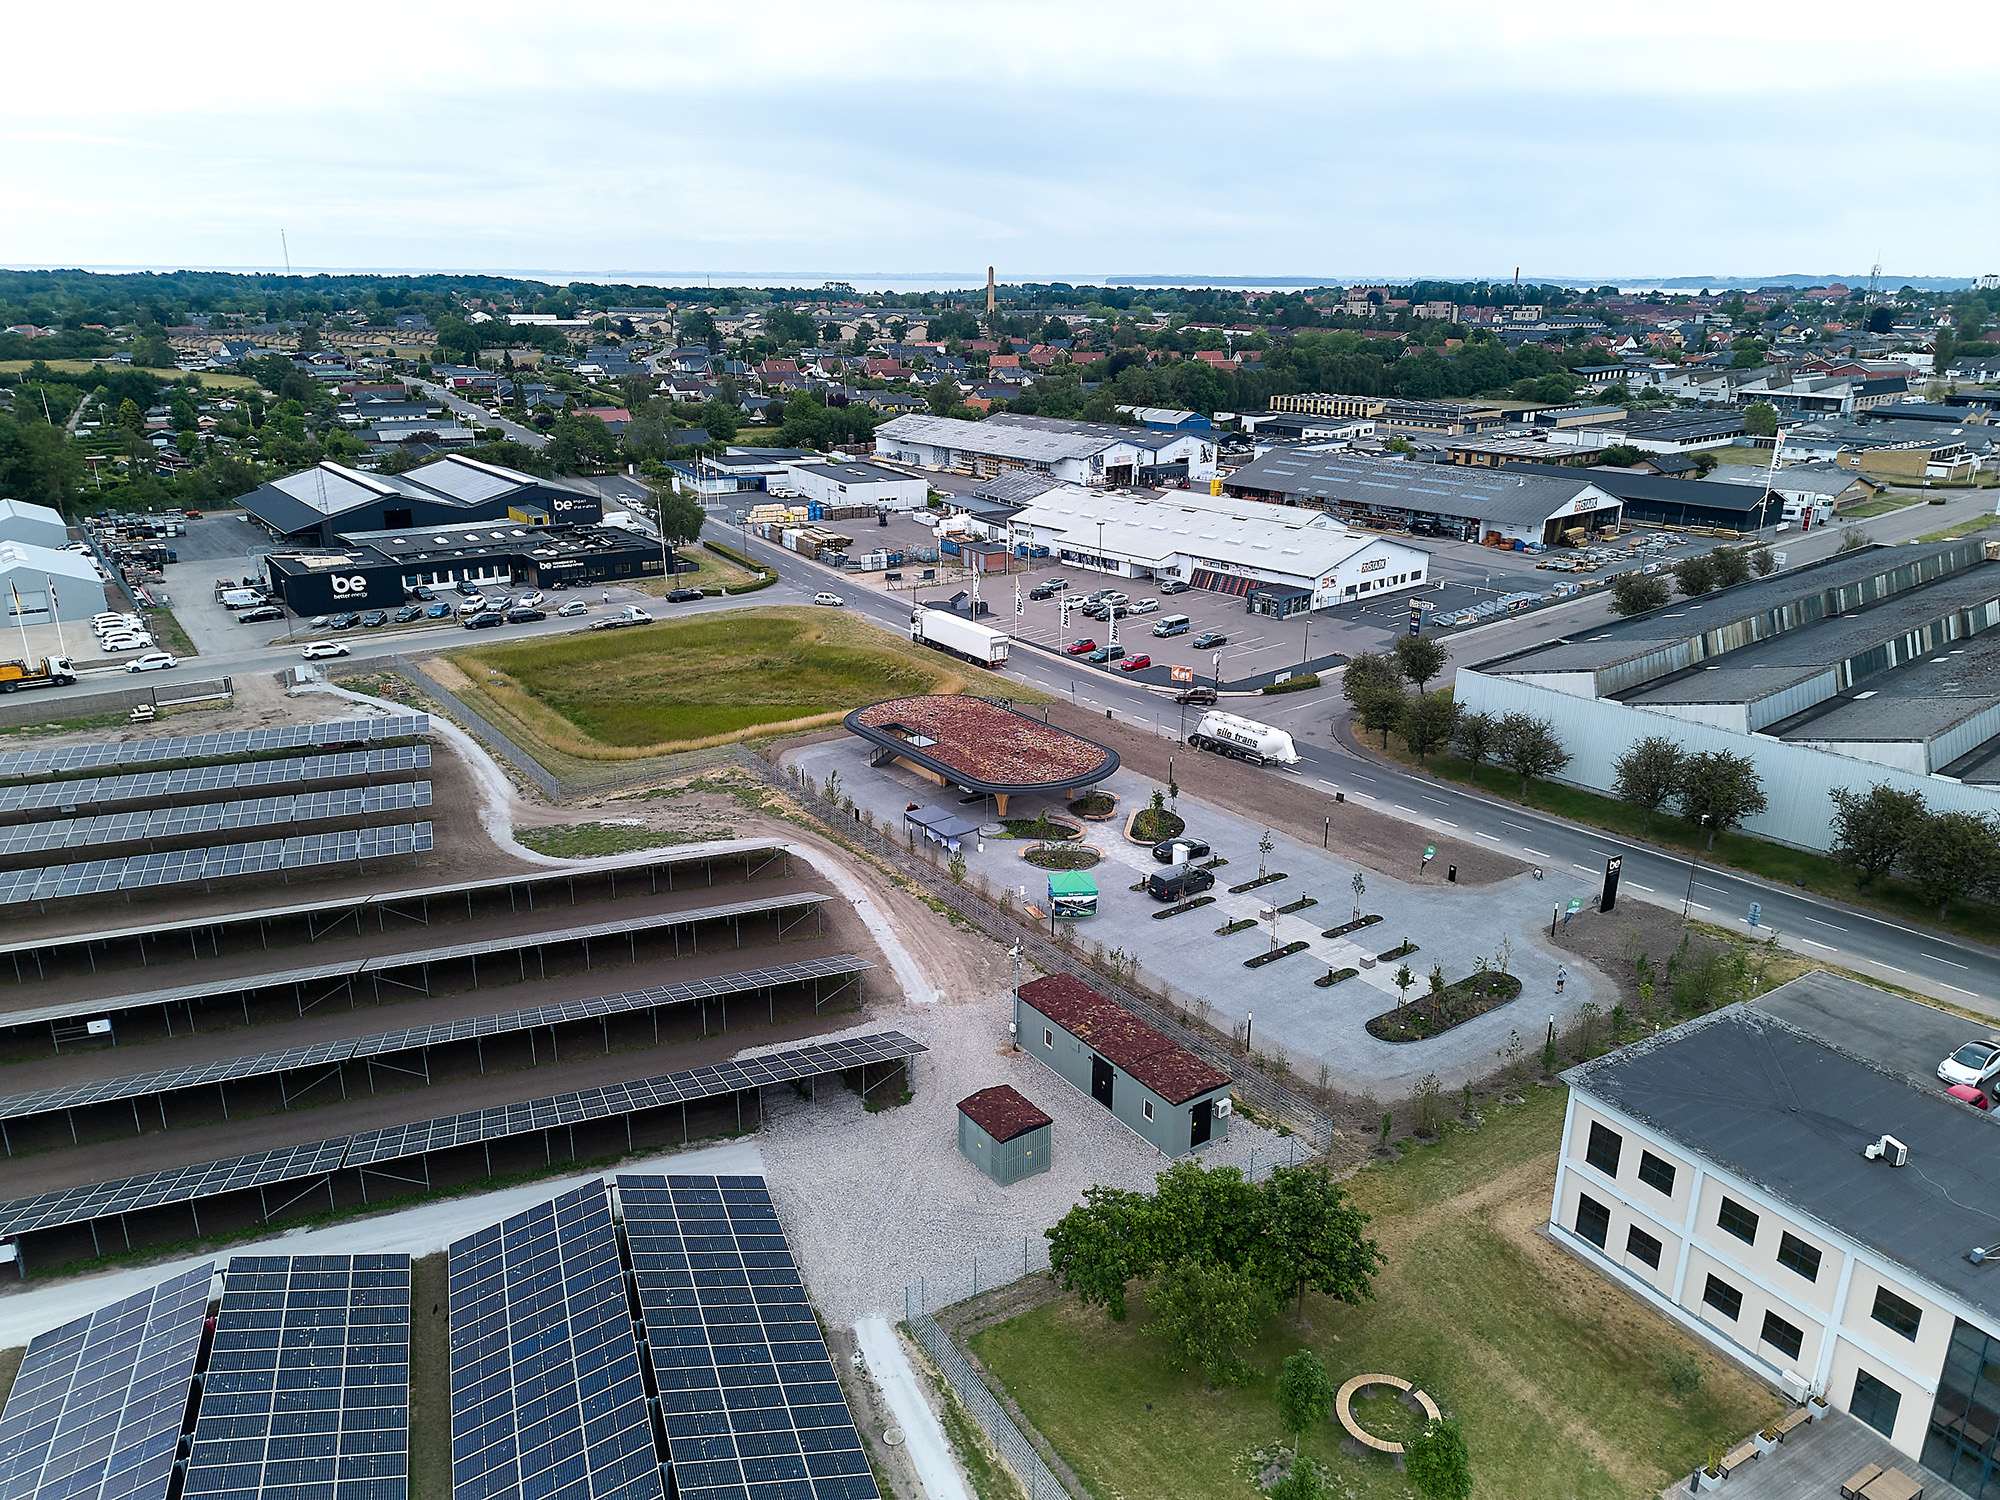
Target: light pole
(1694, 858)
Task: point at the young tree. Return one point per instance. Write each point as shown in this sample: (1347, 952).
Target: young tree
(1428, 722)
(1649, 774)
(1853, 539)
(1476, 734)
(1728, 566)
(1953, 854)
(681, 516)
(1635, 593)
(1872, 829)
(1418, 658)
(1695, 575)
(1092, 1248)
(1437, 1462)
(1369, 672)
(1760, 419)
(1203, 1311)
(1310, 1236)
(1721, 787)
(1764, 562)
(1305, 1393)
(1528, 747)
(1382, 710)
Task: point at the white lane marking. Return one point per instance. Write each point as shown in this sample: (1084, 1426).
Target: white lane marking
(1410, 810)
(1934, 957)
(1697, 906)
(1638, 887)
(1815, 943)
(1590, 869)
(1438, 800)
(1890, 967)
(1522, 826)
(1447, 822)
(1328, 785)
(1481, 833)
(1818, 923)
(1943, 986)
(1536, 852)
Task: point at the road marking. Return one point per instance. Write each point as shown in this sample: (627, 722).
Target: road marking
(1818, 923)
(1943, 986)
(1815, 943)
(1697, 906)
(1438, 800)
(1575, 865)
(1447, 822)
(1410, 810)
(1481, 833)
(1638, 887)
(1522, 826)
(1890, 967)
(1328, 785)
(1953, 963)
(1536, 852)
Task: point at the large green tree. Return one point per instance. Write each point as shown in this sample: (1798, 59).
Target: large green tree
(1720, 788)
(1427, 722)
(1096, 1249)
(1419, 658)
(1529, 747)
(1872, 829)
(1649, 774)
(1204, 1312)
(1309, 1236)
(1954, 854)
(1635, 593)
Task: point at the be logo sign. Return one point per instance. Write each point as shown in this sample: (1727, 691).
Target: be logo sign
(354, 586)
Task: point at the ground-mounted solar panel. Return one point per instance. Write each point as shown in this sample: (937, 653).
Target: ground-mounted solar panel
(96, 1410)
(547, 1397)
(748, 1393)
(307, 1394)
(215, 862)
(64, 760)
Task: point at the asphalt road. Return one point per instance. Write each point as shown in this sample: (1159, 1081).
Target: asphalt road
(1572, 855)
(479, 416)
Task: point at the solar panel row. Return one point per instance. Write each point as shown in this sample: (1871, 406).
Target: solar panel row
(96, 1410)
(307, 1393)
(68, 759)
(751, 1404)
(547, 1397)
(211, 817)
(80, 1205)
(217, 862)
(387, 1043)
(188, 781)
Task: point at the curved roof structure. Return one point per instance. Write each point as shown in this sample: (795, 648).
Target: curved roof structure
(982, 745)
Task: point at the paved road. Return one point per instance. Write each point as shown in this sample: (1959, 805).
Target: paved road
(479, 416)
(1573, 855)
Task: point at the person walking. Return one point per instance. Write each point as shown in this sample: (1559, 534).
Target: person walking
(1562, 978)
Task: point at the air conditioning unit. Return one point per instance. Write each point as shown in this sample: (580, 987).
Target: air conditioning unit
(1794, 1386)
(1224, 1107)
(1891, 1148)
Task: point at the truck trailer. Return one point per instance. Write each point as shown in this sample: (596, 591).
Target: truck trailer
(55, 671)
(1244, 739)
(979, 644)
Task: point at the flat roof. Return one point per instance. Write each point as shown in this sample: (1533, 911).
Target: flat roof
(859, 473)
(1499, 495)
(1782, 1094)
(1011, 440)
(1293, 539)
(982, 745)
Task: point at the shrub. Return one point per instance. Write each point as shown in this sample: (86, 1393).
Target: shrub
(1298, 684)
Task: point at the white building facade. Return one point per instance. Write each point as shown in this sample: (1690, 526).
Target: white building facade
(1083, 453)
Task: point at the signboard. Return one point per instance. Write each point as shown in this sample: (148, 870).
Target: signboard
(1430, 852)
(1281, 677)
(1610, 897)
(1374, 564)
(1181, 674)
(1756, 913)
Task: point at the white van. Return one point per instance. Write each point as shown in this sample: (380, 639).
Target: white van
(1172, 625)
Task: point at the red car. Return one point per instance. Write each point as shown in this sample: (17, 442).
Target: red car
(1079, 648)
(1134, 663)
(1970, 1095)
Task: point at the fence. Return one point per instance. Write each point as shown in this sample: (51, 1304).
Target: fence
(1014, 1449)
(32, 710)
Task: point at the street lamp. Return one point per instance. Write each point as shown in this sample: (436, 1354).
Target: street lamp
(1694, 858)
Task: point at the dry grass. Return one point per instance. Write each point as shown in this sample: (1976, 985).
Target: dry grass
(430, 1380)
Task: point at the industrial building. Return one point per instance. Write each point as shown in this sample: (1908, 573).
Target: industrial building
(1880, 665)
(331, 500)
(1659, 431)
(859, 484)
(1167, 1095)
(29, 574)
(1392, 414)
(1782, 1183)
(1280, 560)
(1432, 499)
(1087, 453)
(1649, 499)
(1004, 1134)
(35, 525)
(377, 569)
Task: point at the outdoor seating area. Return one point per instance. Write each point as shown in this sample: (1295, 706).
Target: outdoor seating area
(1360, 1388)
(1835, 1455)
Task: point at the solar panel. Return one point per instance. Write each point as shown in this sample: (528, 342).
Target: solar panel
(79, 1205)
(748, 1393)
(96, 1410)
(307, 1392)
(138, 872)
(20, 764)
(547, 1397)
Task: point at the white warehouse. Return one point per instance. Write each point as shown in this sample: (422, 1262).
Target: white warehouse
(1087, 453)
(1280, 560)
(859, 484)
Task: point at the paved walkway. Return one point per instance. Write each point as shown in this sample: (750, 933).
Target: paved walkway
(922, 1435)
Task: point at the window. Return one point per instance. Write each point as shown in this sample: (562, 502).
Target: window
(1048, 1038)
(1656, 1173)
(1603, 1150)
(1641, 1246)
(1593, 1220)
(1894, 1313)
(1782, 1336)
(1737, 1220)
(1146, 1107)
(1875, 1403)
(1794, 1254)
(1723, 1297)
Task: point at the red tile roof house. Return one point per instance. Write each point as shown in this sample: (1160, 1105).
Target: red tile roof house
(1166, 1094)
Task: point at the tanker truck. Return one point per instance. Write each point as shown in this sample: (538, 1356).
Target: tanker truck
(1244, 739)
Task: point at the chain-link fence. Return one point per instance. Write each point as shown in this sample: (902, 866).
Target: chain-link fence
(1014, 1449)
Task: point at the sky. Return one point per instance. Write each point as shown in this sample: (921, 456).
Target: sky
(862, 138)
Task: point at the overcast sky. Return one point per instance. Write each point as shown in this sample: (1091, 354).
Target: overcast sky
(1081, 140)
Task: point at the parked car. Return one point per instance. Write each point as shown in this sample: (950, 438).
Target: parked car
(522, 614)
(1208, 640)
(1179, 883)
(112, 645)
(425, 592)
(1095, 611)
(572, 609)
(375, 617)
(1975, 1097)
(1055, 583)
(472, 606)
(502, 604)
(1173, 586)
(1974, 1065)
(1104, 654)
(1135, 663)
(485, 619)
(439, 611)
(683, 596)
(314, 650)
(1081, 646)
(343, 622)
(1112, 596)
(1041, 591)
(532, 598)
(408, 613)
(1146, 607)
(261, 615)
(319, 622)
(1195, 695)
(830, 599)
(152, 661)
(1196, 849)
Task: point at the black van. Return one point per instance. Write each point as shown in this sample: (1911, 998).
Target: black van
(1179, 883)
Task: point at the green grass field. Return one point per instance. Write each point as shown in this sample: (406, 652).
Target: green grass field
(588, 840)
(1963, 528)
(211, 380)
(703, 680)
(1554, 1374)
(1881, 507)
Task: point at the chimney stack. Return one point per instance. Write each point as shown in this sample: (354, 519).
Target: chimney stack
(991, 301)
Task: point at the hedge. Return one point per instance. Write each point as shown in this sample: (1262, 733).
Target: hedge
(1294, 684)
(765, 576)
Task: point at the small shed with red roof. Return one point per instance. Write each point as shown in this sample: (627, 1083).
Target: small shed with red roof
(1004, 1134)
(1157, 1087)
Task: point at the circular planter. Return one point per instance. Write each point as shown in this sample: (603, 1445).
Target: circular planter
(1172, 824)
(1097, 856)
(1110, 807)
(1060, 830)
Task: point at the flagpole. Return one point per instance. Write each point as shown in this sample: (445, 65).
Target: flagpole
(55, 614)
(21, 621)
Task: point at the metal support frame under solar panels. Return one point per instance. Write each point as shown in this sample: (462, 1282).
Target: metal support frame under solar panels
(748, 1395)
(317, 1162)
(373, 1049)
(548, 1391)
(307, 1389)
(70, 760)
(96, 1411)
(199, 783)
(343, 978)
(152, 824)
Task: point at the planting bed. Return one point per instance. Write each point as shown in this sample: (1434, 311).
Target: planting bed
(1403, 950)
(1189, 905)
(1250, 885)
(1356, 925)
(1274, 955)
(1063, 857)
(1300, 905)
(1237, 926)
(1433, 1015)
(1335, 976)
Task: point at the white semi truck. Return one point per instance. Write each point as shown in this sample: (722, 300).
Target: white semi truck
(968, 640)
(1244, 739)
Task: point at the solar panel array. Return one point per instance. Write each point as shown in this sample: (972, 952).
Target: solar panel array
(151, 823)
(69, 760)
(547, 1397)
(96, 1410)
(193, 781)
(307, 1394)
(747, 1389)
(80, 1205)
(217, 862)
(387, 1043)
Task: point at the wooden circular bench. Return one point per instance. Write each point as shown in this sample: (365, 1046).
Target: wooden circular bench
(1363, 1385)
